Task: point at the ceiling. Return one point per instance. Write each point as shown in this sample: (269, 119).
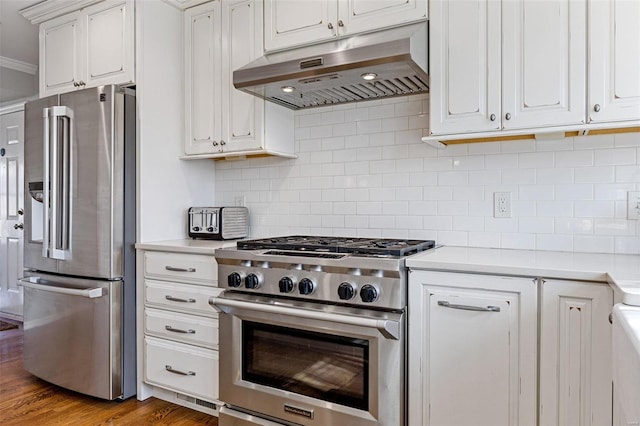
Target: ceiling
(18, 42)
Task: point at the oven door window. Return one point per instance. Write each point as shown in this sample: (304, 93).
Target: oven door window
(322, 366)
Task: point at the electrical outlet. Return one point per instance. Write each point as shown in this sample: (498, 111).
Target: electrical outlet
(501, 204)
(240, 201)
(633, 205)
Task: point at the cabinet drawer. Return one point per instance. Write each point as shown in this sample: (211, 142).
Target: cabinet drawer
(182, 327)
(195, 268)
(183, 368)
(183, 297)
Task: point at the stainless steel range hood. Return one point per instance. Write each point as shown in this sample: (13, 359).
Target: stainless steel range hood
(334, 72)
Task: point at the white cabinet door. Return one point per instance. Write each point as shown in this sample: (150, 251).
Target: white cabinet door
(472, 352)
(203, 106)
(109, 43)
(614, 60)
(575, 353)
(11, 213)
(60, 54)
(543, 63)
(242, 113)
(355, 16)
(464, 66)
(293, 22)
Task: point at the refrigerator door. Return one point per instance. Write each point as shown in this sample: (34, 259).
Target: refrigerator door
(87, 210)
(34, 176)
(72, 333)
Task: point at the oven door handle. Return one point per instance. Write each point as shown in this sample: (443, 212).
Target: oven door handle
(389, 328)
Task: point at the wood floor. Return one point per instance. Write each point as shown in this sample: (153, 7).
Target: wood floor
(27, 400)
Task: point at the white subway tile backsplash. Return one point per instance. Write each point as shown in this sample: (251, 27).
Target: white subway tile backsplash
(615, 157)
(554, 242)
(535, 160)
(574, 192)
(597, 209)
(595, 174)
(363, 171)
(572, 226)
(574, 158)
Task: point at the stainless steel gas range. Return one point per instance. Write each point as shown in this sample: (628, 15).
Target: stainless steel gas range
(313, 331)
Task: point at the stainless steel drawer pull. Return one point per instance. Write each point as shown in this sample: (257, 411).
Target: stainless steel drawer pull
(178, 299)
(170, 369)
(173, 268)
(446, 304)
(179, 330)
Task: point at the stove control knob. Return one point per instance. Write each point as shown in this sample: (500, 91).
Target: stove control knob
(306, 286)
(252, 281)
(346, 291)
(286, 285)
(368, 293)
(234, 279)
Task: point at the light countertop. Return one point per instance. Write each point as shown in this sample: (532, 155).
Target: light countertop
(622, 271)
(187, 246)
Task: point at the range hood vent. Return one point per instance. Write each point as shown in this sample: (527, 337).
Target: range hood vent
(366, 67)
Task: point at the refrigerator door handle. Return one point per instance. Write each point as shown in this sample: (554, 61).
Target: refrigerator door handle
(60, 191)
(46, 113)
(34, 282)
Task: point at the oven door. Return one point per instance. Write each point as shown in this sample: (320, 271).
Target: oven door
(309, 363)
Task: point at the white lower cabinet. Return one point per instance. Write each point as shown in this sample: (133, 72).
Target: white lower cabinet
(474, 353)
(178, 343)
(185, 368)
(472, 344)
(575, 353)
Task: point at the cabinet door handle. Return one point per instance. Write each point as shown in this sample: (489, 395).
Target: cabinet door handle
(179, 330)
(170, 369)
(507, 116)
(173, 268)
(215, 143)
(330, 26)
(222, 142)
(596, 107)
(492, 117)
(178, 299)
(446, 304)
(340, 23)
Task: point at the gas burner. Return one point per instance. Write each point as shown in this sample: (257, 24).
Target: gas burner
(360, 246)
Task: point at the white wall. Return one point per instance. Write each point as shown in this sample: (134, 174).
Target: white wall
(363, 171)
(167, 186)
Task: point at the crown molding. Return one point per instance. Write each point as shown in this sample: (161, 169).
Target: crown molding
(13, 64)
(50, 9)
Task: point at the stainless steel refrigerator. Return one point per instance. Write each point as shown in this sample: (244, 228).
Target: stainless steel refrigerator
(79, 284)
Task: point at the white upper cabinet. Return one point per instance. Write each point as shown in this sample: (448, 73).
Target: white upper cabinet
(241, 125)
(506, 65)
(109, 49)
(202, 78)
(543, 63)
(60, 51)
(221, 121)
(464, 67)
(614, 60)
(291, 23)
(87, 48)
(513, 67)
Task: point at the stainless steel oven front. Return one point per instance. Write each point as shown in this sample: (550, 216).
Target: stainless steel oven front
(292, 362)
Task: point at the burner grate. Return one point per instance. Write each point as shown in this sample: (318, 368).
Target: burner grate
(361, 246)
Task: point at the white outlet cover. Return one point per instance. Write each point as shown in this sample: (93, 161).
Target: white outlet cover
(501, 204)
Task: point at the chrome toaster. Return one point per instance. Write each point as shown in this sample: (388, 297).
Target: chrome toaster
(218, 223)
